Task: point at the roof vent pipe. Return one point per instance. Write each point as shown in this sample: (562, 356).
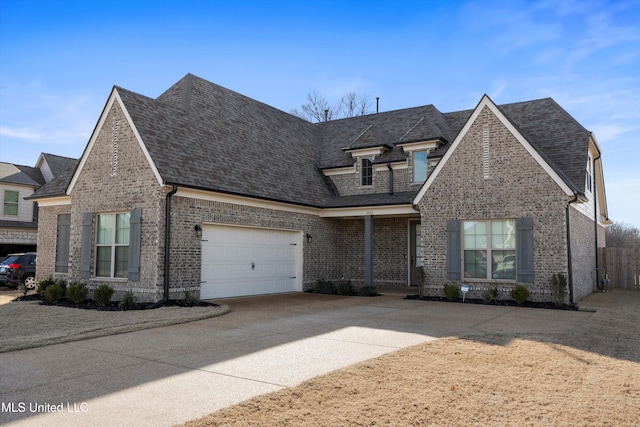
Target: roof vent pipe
(377, 104)
(326, 114)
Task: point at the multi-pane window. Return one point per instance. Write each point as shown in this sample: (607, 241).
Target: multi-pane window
(10, 205)
(366, 171)
(589, 177)
(419, 166)
(489, 249)
(112, 245)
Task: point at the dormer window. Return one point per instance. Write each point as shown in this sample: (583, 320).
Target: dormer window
(419, 166)
(419, 150)
(366, 171)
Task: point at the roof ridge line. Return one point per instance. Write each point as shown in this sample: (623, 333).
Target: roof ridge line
(411, 128)
(359, 135)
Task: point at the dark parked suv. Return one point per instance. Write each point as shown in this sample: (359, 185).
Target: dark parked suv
(19, 268)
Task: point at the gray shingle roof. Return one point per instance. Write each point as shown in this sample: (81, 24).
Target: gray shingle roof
(58, 184)
(557, 136)
(380, 199)
(406, 125)
(202, 135)
(58, 164)
(18, 174)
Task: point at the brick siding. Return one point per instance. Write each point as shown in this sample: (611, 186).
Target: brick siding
(118, 181)
(349, 184)
(583, 253)
(517, 187)
(47, 238)
(111, 181)
(9, 236)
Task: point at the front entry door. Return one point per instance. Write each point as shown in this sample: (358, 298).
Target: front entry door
(415, 252)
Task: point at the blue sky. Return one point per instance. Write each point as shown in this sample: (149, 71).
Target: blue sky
(60, 59)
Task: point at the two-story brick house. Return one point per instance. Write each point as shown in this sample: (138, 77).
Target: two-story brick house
(205, 190)
(18, 216)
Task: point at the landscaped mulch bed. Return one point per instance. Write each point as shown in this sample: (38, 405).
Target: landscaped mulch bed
(90, 304)
(531, 304)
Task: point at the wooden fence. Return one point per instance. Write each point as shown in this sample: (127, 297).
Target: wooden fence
(622, 267)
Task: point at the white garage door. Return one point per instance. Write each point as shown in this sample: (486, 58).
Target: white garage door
(240, 261)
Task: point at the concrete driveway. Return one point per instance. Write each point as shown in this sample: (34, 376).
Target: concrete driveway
(169, 375)
(8, 293)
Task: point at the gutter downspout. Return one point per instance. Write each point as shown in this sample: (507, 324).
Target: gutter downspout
(167, 241)
(390, 178)
(595, 218)
(569, 266)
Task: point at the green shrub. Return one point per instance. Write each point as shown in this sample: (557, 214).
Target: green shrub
(77, 292)
(344, 288)
(128, 302)
(367, 291)
(53, 293)
(43, 284)
(490, 295)
(451, 291)
(520, 294)
(325, 287)
(558, 288)
(103, 294)
(190, 300)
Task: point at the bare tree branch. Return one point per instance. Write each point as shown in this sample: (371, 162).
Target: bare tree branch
(352, 105)
(318, 109)
(620, 235)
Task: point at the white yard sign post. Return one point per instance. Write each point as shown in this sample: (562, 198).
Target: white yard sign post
(464, 289)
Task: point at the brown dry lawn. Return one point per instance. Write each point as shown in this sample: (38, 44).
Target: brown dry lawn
(590, 379)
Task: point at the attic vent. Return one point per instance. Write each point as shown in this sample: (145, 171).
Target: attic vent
(485, 152)
(114, 141)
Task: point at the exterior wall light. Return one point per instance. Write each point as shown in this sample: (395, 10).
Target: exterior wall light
(309, 238)
(198, 229)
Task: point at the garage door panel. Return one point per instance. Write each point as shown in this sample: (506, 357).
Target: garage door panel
(238, 261)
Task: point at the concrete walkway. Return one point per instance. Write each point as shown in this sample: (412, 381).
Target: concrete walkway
(169, 375)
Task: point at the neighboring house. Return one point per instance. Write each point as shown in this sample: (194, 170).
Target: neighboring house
(205, 190)
(19, 217)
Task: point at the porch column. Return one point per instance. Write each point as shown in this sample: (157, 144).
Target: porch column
(368, 250)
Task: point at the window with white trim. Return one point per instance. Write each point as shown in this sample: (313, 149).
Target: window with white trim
(11, 201)
(419, 166)
(489, 249)
(366, 171)
(112, 245)
(589, 177)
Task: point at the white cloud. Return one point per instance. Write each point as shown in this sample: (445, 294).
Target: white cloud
(33, 135)
(609, 131)
(37, 117)
(601, 33)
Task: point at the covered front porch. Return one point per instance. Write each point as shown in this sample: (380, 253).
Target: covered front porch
(381, 250)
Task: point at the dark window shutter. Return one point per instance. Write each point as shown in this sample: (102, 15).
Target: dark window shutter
(62, 243)
(524, 249)
(87, 248)
(135, 225)
(454, 250)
